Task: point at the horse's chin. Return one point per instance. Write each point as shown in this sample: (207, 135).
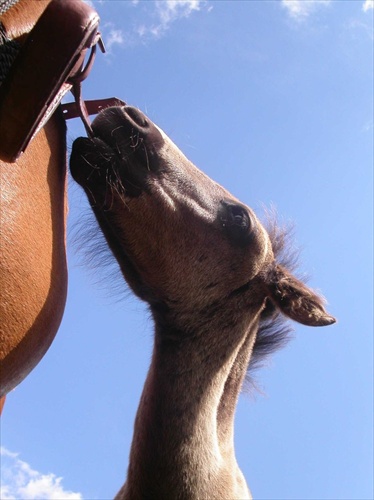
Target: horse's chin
(102, 172)
(87, 162)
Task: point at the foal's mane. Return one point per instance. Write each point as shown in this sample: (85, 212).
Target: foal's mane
(274, 330)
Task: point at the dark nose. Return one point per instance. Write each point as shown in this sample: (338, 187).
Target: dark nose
(136, 117)
(126, 126)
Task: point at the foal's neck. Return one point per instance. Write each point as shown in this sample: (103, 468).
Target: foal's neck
(183, 436)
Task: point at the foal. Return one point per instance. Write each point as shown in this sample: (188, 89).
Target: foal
(208, 270)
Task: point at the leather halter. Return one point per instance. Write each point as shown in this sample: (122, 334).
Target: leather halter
(49, 64)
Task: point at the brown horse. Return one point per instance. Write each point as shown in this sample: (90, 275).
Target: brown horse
(36, 70)
(215, 286)
(33, 269)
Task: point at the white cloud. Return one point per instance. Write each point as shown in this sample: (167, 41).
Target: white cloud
(170, 10)
(150, 20)
(114, 37)
(20, 481)
(369, 4)
(299, 10)
(166, 12)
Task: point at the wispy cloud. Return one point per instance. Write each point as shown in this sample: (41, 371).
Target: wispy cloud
(368, 4)
(163, 13)
(299, 10)
(159, 15)
(113, 36)
(358, 27)
(20, 481)
(169, 11)
(150, 20)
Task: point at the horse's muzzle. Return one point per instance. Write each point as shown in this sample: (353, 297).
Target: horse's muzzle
(123, 151)
(126, 128)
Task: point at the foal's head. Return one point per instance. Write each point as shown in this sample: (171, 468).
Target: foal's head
(184, 243)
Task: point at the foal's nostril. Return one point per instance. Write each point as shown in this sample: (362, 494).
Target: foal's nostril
(137, 117)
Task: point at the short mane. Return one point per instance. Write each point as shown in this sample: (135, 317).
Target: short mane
(274, 330)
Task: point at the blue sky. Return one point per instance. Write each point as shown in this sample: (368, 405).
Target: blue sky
(274, 100)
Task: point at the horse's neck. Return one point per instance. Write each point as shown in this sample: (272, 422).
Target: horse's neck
(183, 437)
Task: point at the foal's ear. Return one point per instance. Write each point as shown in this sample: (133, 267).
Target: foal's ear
(296, 300)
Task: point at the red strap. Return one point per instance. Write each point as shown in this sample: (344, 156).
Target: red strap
(83, 109)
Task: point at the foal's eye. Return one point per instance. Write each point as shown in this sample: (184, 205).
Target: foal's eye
(236, 221)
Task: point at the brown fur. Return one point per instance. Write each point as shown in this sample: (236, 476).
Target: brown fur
(33, 269)
(207, 268)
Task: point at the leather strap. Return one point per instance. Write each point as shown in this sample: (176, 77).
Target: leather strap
(86, 108)
(49, 64)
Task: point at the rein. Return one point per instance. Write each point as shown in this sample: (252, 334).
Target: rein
(35, 76)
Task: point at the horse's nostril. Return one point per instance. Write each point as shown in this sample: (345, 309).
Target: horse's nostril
(137, 117)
